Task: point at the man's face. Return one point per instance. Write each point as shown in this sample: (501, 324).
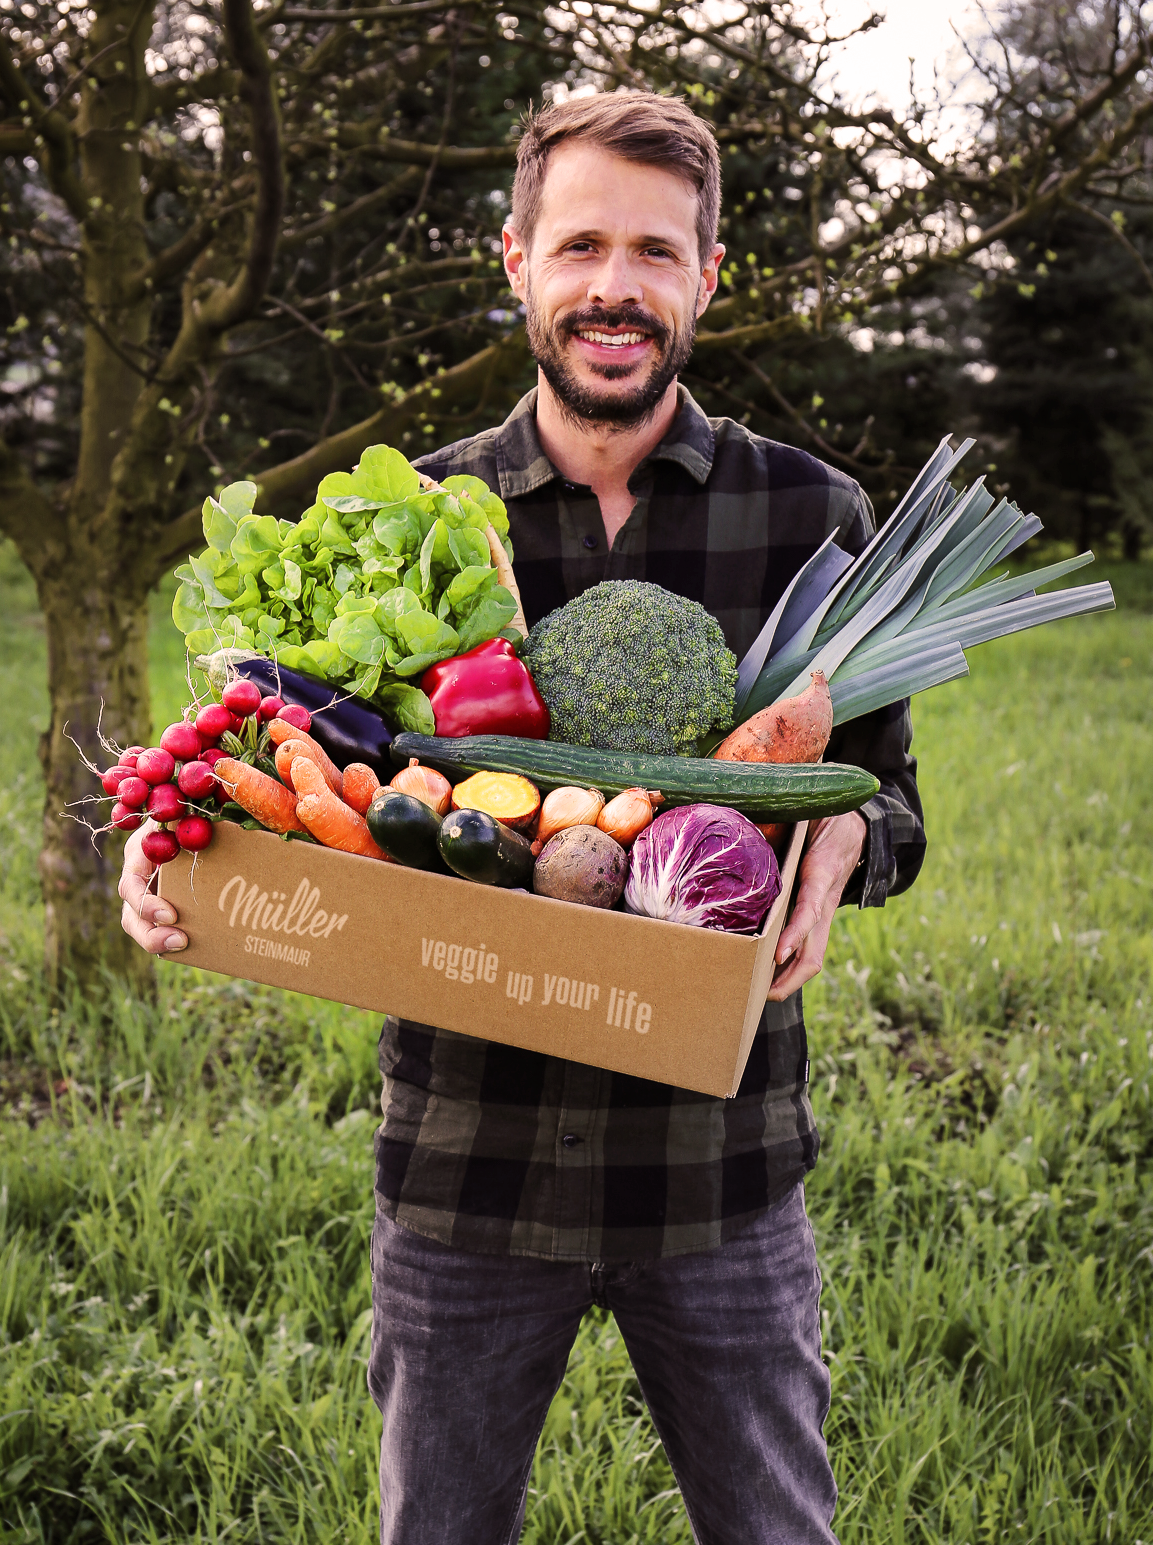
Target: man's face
(612, 283)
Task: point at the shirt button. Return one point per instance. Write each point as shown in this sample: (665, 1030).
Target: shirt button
(590, 542)
(570, 1139)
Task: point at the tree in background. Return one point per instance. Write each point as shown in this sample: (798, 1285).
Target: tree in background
(252, 240)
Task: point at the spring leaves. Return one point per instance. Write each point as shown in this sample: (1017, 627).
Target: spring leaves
(375, 583)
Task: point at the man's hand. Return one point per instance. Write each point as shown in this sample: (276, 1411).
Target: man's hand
(833, 852)
(145, 917)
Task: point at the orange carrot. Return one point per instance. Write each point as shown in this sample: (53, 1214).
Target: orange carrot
(328, 818)
(279, 732)
(266, 801)
(360, 784)
(795, 730)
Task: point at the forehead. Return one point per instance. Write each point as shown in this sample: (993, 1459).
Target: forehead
(587, 188)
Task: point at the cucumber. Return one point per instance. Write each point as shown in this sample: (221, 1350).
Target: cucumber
(479, 847)
(762, 791)
(406, 828)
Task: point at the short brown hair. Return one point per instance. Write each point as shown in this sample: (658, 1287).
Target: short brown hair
(637, 125)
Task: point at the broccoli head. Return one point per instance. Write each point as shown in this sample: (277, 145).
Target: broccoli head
(629, 666)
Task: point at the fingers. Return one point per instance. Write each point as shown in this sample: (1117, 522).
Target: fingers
(801, 966)
(145, 917)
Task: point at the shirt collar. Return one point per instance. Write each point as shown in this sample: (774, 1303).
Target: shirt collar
(523, 467)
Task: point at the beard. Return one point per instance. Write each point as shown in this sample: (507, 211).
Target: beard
(583, 403)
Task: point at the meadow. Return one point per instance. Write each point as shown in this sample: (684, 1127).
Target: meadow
(186, 1185)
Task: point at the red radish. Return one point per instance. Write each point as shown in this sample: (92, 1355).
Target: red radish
(212, 755)
(194, 833)
(133, 791)
(111, 780)
(123, 819)
(212, 721)
(128, 758)
(155, 766)
(195, 779)
(241, 696)
(182, 741)
(165, 803)
(298, 717)
(159, 847)
(270, 707)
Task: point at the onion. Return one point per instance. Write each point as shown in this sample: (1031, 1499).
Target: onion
(426, 784)
(567, 807)
(626, 816)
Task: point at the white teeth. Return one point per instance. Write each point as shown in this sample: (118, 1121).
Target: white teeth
(614, 340)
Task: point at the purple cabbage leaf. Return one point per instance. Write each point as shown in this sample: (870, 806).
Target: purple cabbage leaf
(704, 865)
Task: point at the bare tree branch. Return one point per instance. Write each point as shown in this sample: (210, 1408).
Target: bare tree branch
(52, 140)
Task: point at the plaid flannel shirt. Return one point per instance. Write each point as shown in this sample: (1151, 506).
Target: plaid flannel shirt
(497, 1150)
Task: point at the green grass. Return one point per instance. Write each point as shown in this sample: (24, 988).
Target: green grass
(186, 1186)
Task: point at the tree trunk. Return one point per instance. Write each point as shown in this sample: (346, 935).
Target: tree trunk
(97, 665)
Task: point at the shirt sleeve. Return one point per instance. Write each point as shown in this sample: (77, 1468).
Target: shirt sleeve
(881, 742)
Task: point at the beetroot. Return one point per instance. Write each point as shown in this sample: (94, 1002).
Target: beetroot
(195, 779)
(182, 741)
(212, 721)
(124, 819)
(241, 697)
(193, 833)
(159, 847)
(165, 803)
(133, 791)
(155, 765)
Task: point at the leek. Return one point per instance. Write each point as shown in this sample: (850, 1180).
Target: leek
(897, 618)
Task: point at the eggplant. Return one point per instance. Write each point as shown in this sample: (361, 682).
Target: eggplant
(348, 730)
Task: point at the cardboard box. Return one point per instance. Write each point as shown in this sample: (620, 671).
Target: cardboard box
(658, 1000)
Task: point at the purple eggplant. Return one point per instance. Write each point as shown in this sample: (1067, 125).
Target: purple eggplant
(348, 729)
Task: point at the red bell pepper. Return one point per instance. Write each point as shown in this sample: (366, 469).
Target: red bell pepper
(487, 691)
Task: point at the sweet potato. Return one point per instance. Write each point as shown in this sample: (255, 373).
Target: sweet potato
(795, 730)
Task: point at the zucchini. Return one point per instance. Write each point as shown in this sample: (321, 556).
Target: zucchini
(762, 791)
(406, 828)
(479, 847)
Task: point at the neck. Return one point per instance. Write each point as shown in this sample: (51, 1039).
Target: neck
(602, 456)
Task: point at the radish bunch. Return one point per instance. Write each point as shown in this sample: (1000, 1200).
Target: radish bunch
(174, 783)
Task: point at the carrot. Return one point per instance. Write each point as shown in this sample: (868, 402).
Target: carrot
(795, 730)
(279, 731)
(287, 752)
(360, 784)
(328, 818)
(266, 801)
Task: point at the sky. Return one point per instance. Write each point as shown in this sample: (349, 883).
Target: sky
(877, 63)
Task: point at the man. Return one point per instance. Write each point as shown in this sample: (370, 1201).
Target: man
(516, 1190)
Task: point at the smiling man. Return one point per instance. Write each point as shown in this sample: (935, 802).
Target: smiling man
(515, 1191)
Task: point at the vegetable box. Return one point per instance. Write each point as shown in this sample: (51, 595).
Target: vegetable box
(657, 1000)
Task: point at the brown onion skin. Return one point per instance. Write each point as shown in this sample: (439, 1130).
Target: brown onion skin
(626, 816)
(559, 807)
(425, 784)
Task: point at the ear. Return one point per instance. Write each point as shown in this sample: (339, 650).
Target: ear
(516, 261)
(710, 275)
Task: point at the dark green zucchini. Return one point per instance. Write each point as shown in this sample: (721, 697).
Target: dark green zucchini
(761, 791)
(406, 828)
(479, 847)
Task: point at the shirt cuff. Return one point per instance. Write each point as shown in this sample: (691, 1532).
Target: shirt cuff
(870, 882)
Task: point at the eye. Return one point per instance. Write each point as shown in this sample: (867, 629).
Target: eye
(660, 252)
(580, 246)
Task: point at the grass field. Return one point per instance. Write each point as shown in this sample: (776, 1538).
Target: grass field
(186, 1188)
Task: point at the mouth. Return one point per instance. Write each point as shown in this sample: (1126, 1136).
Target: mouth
(621, 340)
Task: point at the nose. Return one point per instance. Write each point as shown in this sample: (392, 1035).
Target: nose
(615, 282)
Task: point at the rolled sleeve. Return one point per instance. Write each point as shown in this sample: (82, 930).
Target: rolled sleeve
(881, 742)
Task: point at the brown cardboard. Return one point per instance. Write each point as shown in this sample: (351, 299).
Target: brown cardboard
(658, 1000)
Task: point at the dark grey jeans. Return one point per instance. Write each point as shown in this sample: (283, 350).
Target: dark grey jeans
(468, 1351)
